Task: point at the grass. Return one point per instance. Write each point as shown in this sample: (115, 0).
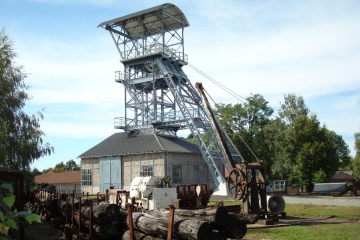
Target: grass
(226, 203)
(316, 231)
(311, 210)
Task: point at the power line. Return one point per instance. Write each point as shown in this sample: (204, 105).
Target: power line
(232, 126)
(232, 93)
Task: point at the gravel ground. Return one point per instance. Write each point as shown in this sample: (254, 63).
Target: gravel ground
(43, 231)
(324, 200)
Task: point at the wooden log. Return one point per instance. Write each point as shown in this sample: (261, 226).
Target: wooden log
(84, 201)
(219, 217)
(191, 229)
(104, 231)
(63, 209)
(52, 206)
(117, 216)
(142, 236)
(98, 216)
(248, 218)
(218, 235)
(228, 225)
(109, 208)
(112, 210)
(236, 228)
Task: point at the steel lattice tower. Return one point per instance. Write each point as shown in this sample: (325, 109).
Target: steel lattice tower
(159, 97)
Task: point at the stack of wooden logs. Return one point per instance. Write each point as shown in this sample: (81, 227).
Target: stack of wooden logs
(202, 224)
(110, 222)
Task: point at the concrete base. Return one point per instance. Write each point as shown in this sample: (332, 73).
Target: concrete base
(220, 198)
(265, 222)
(221, 190)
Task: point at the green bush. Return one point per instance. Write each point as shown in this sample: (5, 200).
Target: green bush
(11, 218)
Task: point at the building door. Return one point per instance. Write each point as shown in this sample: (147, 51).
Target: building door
(110, 173)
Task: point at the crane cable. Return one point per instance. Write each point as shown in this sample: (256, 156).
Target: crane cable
(229, 91)
(231, 124)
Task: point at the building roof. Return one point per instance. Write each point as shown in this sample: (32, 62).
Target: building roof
(69, 177)
(173, 18)
(343, 175)
(119, 144)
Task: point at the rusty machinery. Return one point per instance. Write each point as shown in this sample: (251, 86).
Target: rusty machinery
(245, 182)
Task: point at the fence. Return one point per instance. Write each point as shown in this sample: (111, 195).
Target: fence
(277, 186)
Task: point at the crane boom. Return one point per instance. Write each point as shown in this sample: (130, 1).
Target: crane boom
(215, 125)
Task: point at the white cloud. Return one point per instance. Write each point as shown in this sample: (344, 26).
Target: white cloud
(79, 130)
(302, 58)
(70, 72)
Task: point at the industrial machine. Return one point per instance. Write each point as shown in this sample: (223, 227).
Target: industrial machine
(152, 192)
(276, 204)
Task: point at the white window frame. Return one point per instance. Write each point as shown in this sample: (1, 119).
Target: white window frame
(177, 173)
(86, 177)
(146, 170)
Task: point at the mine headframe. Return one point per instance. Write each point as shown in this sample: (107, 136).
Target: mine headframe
(159, 97)
(144, 40)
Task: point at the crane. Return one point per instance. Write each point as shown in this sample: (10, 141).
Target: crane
(246, 181)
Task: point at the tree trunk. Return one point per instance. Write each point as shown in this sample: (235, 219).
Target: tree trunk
(230, 225)
(98, 216)
(219, 217)
(63, 209)
(183, 228)
(248, 218)
(84, 202)
(142, 236)
(236, 227)
(104, 231)
(109, 208)
(106, 213)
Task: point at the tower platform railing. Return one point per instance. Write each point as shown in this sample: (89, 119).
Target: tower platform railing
(170, 118)
(121, 76)
(140, 53)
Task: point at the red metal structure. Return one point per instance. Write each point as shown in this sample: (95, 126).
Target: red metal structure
(17, 180)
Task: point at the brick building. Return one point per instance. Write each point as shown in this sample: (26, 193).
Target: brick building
(118, 159)
(66, 181)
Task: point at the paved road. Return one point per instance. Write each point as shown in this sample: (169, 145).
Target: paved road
(322, 200)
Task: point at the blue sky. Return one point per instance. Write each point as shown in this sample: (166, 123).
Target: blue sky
(310, 48)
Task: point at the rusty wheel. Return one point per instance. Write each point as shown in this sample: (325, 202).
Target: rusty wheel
(236, 184)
